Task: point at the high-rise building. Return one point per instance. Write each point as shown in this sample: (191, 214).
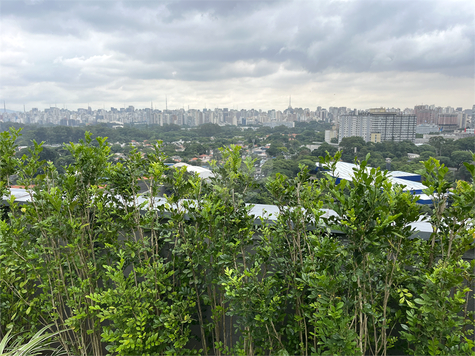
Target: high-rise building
(354, 125)
(449, 121)
(462, 120)
(388, 126)
(425, 114)
(226, 117)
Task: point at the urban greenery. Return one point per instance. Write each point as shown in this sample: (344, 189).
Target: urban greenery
(285, 148)
(195, 272)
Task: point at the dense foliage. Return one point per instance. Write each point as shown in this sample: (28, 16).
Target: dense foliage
(307, 132)
(195, 272)
(453, 153)
(287, 148)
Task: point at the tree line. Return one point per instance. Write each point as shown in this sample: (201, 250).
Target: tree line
(56, 134)
(284, 142)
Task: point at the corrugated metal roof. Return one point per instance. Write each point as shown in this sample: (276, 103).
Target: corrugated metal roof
(202, 172)
(345, 170)
(423, 229)
(402, 174)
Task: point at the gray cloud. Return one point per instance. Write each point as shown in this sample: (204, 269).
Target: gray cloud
(229, 8)
(83, 45)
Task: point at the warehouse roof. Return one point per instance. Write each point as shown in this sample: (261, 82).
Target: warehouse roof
(345, 170)
(422, 228)
(202, 172)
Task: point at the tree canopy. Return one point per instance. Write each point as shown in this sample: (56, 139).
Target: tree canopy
(200, 271)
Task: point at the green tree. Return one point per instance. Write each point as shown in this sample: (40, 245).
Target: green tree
(194, 149)
(208, 130)
(202, 271)
(425, 155)
(47, 154)
(459, 157)
(445, 161)
(285, 167)
(8, 162)
(437, 142)
(372, 220)
(349, 144)
(323, 149)
(274, 150)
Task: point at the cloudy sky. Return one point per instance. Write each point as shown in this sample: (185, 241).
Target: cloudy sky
(237, 54)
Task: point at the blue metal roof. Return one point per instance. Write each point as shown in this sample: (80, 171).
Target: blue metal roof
(345, 170)
(406, 175)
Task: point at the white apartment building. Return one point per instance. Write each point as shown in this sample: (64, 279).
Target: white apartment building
(354, 125)
(385, 126)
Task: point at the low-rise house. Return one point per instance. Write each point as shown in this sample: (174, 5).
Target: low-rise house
(413, 155)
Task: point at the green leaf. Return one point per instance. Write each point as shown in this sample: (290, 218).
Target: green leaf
(420, 301)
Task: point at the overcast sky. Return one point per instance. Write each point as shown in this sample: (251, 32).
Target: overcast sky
(237, 54)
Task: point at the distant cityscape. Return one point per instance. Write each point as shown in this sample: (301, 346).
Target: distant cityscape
(380, 124)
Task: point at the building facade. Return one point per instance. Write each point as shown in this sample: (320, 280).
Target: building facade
(425, 115)
(427, 128)
(449, 122)
(379, 125)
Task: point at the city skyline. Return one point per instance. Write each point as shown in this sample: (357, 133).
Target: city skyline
(241, 54)
(162, 108)
(446, 117)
